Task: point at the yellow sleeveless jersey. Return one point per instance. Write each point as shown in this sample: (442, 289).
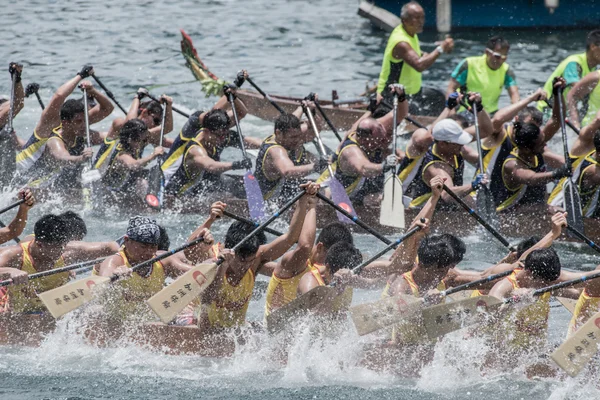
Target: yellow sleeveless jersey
(283, 291)
(395, 70)
(585, 307)
(229, 309)
(23, 298)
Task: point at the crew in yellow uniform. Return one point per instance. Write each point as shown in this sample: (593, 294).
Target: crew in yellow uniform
(403, 60)
(486, 74)
(225, 301)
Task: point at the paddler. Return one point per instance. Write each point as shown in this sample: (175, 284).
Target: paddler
(15, 69)
(364, 156)
(17, 225)
(575, 67)
(48, 250)
(486, 74)
(195, 166)
(403, 60)
(586, 90)
(225, 301)
(282, 160)
(124, 176)
(127, 300)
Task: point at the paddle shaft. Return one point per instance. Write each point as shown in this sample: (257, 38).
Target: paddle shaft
(9, 124)
(563, 131)
(476, 283)
(566, 119)
(39, 99)
(321, 147)
(108, 93)
(477, 136)
(350, 101)
(327, 120)
(415, 122)
(237, 123)
(394, 244)
(354, 219)
(266, 96)
(163, 118)
(487, 226)
(87, 124)
(566, 284)
(584, 238)
(57, 270)
(178, 111)
(4, 226)
(250, 222)
(13, 205)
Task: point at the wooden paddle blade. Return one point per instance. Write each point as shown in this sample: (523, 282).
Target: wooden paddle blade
(156, 186)
(371, 317)
(567, 303)
(486, 206)
(573, 207)
(448, 317)
(341, 198)
(576, 351)
(392, 206)
(254, 196)
(279, 318)
(73, 295)
(171, 300)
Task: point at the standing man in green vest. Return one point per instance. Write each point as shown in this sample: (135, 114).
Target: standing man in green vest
(575, 67)
(403, 60)
(486, 74)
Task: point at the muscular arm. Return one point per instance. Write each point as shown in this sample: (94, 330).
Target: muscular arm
(552, 159)
(443, 171)
(452, 86)
(307, 283)
(50, 116)
(17, 225)
(175, 267)
(507, 113)
(294, 262)
(108, 266)
(279, 161)
(132, 164)
(82, 251)
(387, 121)
(523, 176)
(57, 150)
(200, 161)
(102, 110)
(553, 124)
(405, 52)
(19, 104)
(578, 92)
(353, 161)
(513, 93)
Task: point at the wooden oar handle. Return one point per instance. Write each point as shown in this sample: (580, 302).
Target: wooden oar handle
(354, 219)
(474, 214)
(250, 222)
(13, 205)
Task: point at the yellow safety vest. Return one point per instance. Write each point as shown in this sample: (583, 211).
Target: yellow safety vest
(580, 59)
(593, 104)
(395, 70)
(481, 78)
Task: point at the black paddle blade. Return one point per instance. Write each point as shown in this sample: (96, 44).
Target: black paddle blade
(573, 207)
(156, 185)
(486, 206)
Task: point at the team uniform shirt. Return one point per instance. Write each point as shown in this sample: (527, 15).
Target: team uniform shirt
(24, 298)
(395, 70)
(585, 308)
(31, 153)
(418, 189)
(572, 68)
(356, 186)
(474, 75)
(507, 197)
(276, 187)
(593, 103)
(494, 157)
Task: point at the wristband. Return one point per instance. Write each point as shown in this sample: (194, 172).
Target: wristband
(440, 50)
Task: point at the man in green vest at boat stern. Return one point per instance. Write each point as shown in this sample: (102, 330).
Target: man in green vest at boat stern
(575, 67)
(486, 74)
(403, 60)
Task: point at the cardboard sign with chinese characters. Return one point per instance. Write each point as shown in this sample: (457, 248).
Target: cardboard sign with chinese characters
(171, 300)
(371, 317)
(576, 351)
(445, 318)
(68, 297)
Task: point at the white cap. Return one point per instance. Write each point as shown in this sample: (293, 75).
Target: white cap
(448, 130)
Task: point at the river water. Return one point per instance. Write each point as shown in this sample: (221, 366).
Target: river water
(289, 47)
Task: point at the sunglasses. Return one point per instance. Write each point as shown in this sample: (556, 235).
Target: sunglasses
(496, 55)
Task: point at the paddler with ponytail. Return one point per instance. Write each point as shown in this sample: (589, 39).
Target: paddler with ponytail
(225, 301)
(486, 74)
(575, 67)
(403, 60)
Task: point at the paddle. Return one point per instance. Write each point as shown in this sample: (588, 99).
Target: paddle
(569, 123)
(321, 294)
(312, 97)
(4, 226)
(13, 205)
(338, 192)
(91, 175)
(254, 195)
(250, 222)
(415, 122)
(7, 145)
(64, 299)
(57, 270)
(156, 178)
(581, 236)
(575, 352)
(166, 303)
(484, 198)
(391, 211)
(108, 93)
(354, 218)
(178, 111)
(570, 192)
(472, 212)
(33, 88)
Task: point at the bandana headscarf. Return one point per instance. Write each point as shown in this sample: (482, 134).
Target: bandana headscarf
(143, 230)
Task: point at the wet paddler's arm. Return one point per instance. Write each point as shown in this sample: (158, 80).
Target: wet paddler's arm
(580, 91)
(196, 254)
(553, 124)
(76, 251)
(506, 114)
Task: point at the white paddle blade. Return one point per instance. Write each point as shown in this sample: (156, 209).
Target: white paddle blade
(576, 351)
(572, 204)
(449, 317)
(171, 300)
(392, 206)
(279, 318)
(90, 176)
(371, 317)
(73, 295)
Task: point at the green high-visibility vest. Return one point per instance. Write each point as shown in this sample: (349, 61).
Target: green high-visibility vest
(593, 104)
(481, 78)
(580, 59)
(396, 70)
